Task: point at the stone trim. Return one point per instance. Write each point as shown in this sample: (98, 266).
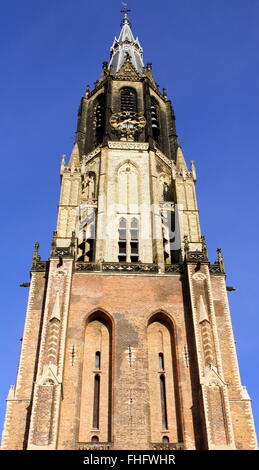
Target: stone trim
(128, 145)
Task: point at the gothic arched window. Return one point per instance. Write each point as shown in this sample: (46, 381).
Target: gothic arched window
(128, 99)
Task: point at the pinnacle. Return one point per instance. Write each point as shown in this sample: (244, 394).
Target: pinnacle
(180, 161)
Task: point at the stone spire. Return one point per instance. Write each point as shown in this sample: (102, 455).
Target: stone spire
(126, 46)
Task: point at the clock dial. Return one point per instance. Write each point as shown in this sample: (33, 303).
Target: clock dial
(127, 120)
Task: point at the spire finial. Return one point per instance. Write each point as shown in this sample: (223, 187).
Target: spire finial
(125, 9)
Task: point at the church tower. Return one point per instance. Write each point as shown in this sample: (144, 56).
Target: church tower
(128, 340)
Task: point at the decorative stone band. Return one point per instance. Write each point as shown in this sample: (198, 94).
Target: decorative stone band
(65, 252)
(128, 145)
(184, 173)
(130, 267)
(164, 158)
(109, 446)
(95, 445)
(89, 156)
(42, 266)
(166, 205)
(116, 267)
(39, 266)
(216, 269)
(81, 266)
(67, 169)
(195, 256)
(174, 268)
(168, 446)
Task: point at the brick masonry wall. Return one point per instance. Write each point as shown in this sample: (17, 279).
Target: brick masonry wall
(130, 301)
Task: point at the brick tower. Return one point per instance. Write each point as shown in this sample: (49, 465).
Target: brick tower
(128, 340)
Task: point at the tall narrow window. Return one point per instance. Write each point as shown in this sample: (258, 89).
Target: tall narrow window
(128, 99)
(134, 245)
(96, 407)
(163, 402)
(128, 240)
(122, 240)
(98, 360)
(161, 361)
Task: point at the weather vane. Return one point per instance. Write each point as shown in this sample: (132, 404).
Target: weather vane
(125, 9)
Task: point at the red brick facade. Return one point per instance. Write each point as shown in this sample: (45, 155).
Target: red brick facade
(130, 319)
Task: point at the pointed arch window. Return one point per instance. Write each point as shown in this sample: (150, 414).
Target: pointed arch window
(128, 99)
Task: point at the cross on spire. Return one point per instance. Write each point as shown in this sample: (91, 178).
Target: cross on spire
(125, 9)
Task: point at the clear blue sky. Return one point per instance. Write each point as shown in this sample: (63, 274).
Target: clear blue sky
(206, 54)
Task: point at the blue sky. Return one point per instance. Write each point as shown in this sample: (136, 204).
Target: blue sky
(206, 54)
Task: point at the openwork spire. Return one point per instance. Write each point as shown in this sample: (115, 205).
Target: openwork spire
(126, 46)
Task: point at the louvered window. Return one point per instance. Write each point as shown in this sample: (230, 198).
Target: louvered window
(128, 99)
(154, 110)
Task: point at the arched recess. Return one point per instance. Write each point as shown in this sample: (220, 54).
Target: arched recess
(128, 188)
(164, 393)
(96, 392)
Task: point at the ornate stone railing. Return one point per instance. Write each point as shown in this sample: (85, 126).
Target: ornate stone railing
(127, 267)
(174, 268)
(116, 267)
(95, 446)
(85, 266)
(130, 267)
